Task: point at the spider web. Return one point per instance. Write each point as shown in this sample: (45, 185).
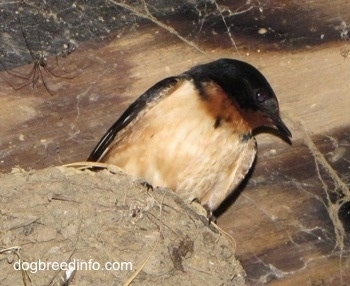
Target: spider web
(55, 26)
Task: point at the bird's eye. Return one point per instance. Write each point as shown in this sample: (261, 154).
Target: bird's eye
(261, 95)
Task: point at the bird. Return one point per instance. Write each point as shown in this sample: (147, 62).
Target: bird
(193, 133)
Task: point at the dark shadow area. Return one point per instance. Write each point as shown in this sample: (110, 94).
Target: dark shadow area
(236, 193)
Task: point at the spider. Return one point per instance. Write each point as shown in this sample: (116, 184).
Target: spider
(39, 69)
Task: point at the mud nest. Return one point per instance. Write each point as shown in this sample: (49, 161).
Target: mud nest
(66, 226)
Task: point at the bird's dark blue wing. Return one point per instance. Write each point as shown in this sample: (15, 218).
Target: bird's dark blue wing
(151, 95)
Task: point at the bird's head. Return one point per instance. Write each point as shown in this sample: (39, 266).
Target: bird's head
(248, 89)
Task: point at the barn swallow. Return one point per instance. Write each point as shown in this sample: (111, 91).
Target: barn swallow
(193, 133)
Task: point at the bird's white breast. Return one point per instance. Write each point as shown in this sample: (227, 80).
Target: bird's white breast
(176, 145)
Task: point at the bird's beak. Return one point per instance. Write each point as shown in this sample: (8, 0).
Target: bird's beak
(281, 126)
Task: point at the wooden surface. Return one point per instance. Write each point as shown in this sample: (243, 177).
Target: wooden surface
(291, 218)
